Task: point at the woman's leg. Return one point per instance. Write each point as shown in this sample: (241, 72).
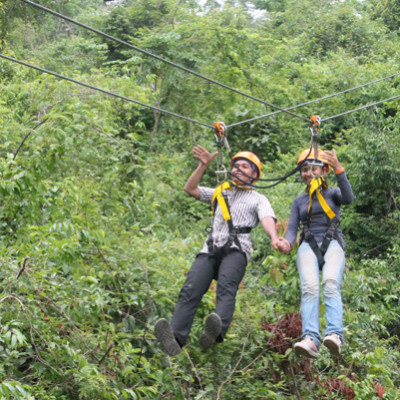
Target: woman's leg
(332, 274)
(307, 265)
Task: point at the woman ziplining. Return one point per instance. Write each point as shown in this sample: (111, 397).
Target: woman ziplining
(321, 249)
(322, 244)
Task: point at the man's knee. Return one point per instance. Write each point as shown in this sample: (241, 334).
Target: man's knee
(189, 293)
(227, 288)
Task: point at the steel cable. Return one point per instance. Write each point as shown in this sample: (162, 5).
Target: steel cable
(314, 101)
(105, 91)
(360, 108)
(161, 59)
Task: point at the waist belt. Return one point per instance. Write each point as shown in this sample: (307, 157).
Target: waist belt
(320, 251)
(242, 229)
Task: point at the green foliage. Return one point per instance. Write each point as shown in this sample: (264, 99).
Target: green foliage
(374, 170)
(96, 231)
(388, 12)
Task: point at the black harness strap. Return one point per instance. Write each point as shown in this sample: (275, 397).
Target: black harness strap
(233, 230)
(309, 238)
(330, 234)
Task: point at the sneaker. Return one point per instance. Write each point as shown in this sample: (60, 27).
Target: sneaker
(165, 335)
(306, 347)
(333, 343)
(212, 329)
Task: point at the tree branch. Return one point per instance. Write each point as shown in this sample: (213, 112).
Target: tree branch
(26, 137)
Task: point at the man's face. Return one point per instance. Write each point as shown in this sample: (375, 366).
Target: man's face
(239, 169)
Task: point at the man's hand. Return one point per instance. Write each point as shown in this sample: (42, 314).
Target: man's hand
(203, 155)
(205, 158)
(282, 245)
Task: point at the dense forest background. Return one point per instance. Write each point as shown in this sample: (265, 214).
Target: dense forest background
(97, 233)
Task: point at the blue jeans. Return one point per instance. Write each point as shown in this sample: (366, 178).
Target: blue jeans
(332, 273)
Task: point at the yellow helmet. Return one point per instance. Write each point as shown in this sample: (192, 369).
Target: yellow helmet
(308, 156)
(247, 155)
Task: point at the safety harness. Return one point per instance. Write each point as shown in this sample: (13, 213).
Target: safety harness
(316, 185)
(221, 199)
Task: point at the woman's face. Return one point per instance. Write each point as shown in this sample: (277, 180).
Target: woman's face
(308, 172)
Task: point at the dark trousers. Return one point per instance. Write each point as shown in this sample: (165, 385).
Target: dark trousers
(227, 266)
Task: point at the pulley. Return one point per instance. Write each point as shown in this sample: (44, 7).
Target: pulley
(221, 137)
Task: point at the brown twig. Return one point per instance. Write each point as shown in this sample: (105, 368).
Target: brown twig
(14, 298)
(25, 263)
(27, 135)
(106, 353)
(296, 388)
(253, 361)
(194, 369)
(234, 370)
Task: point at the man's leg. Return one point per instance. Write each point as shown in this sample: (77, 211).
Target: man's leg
(197, 283)
(231, 272)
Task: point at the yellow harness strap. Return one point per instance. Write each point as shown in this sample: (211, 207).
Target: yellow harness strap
(314, 187)
(221, 200)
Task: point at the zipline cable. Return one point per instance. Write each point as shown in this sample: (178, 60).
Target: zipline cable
(166, 111)
(105, 91)
(161, 59)
(276, 180)
(279, 110)
(313, 101)
(360, 108)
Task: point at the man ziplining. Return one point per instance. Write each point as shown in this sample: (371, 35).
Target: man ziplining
(237, 208)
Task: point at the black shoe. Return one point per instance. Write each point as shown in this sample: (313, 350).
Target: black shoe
(212, 329)
(166, 337)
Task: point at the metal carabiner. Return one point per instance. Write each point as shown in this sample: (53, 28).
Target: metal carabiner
(223, 171)
(315, 125)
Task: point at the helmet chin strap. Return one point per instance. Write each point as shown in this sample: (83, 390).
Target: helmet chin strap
(322, 174)
(242, 185)
(317, 163)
